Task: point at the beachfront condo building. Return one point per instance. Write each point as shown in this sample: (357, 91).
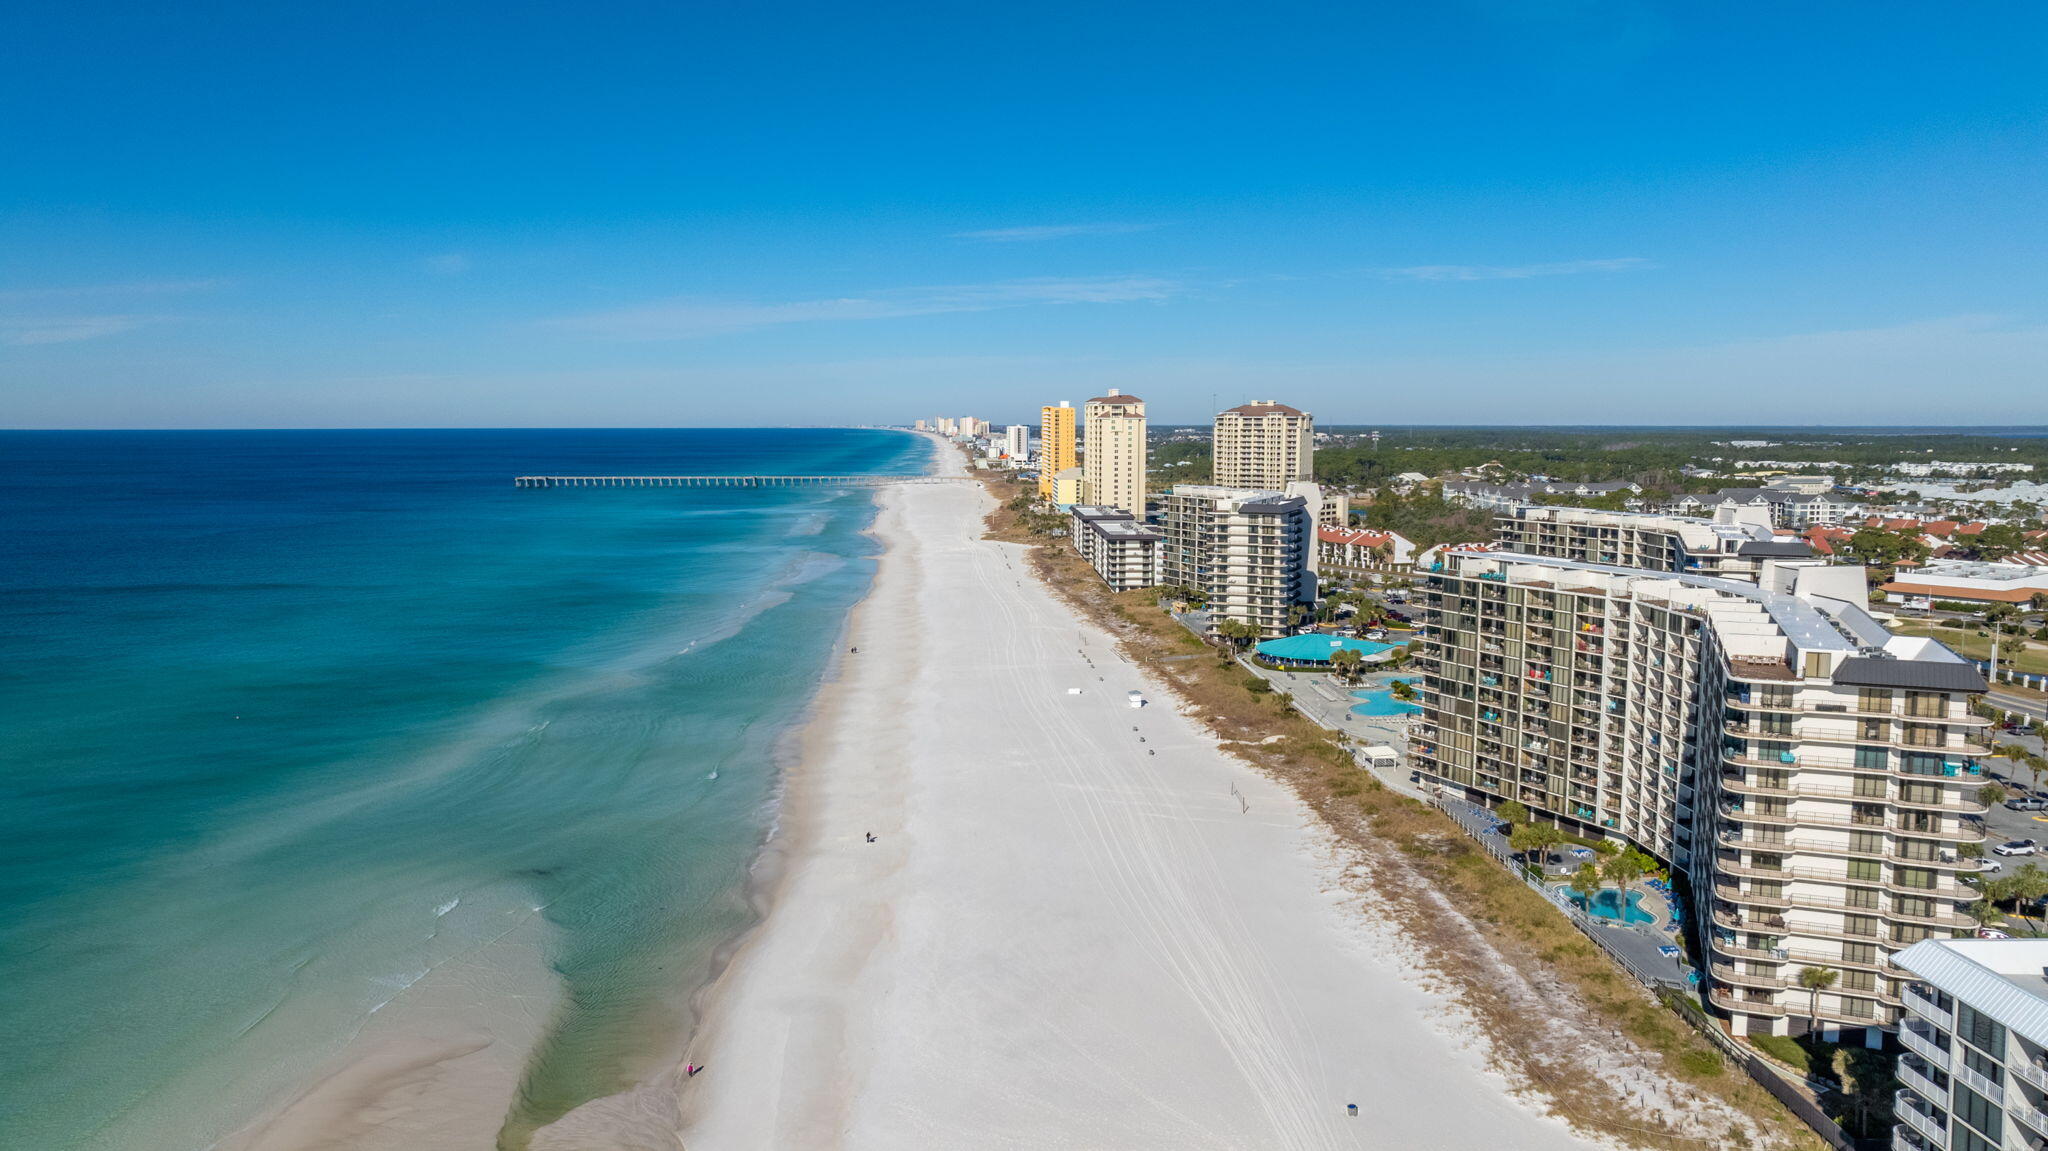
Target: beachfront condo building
(1125, 553)
(1249, 554)
(1114, 459)
(1734, 543)
(1263, 445)
(1056, 449)
(1814, 777)
(1974, 1075)
(1017, 442)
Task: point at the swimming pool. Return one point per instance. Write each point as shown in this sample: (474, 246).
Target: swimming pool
(1381, 701)
(1607, 904)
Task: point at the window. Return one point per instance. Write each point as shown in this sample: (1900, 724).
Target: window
(1983, 1065)
(1979, 1112)
(1980, 1030)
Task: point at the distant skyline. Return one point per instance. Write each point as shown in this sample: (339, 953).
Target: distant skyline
(1479, 212)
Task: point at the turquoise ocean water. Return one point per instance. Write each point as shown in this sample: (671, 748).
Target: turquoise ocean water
(294, 720)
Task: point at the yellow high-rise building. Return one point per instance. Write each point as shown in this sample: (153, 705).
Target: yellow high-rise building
(1055, 444)
(1115, 459)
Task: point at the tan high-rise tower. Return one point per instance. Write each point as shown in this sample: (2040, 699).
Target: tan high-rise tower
(1264, 445)
(1115, 460)
(1055, 444)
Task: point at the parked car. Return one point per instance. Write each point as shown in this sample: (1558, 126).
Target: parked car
(2017, 847)
(2026, 803)
(1989, 867)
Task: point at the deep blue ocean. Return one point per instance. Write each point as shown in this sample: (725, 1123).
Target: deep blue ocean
(295, 720)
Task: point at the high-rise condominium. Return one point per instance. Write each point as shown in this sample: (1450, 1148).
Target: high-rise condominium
(1115, 458)
(1814, 776)
(1263, 444)
(1017, 441)
(1248, 553)
(1055, 444)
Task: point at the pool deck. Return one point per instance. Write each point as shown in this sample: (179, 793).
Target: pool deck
(1327, 701)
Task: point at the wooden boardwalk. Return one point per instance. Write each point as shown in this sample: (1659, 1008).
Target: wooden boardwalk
(870, 481)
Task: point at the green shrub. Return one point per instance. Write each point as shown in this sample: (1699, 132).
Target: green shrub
(1782, 1048)
(1701, 1064)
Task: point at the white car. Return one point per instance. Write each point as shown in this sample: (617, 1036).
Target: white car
(2018, 847)
(1137, 698)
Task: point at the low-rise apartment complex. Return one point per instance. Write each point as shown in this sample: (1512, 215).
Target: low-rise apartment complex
(1353, 551)
(1124, 552)
(1248, 553)
(1814, 776)
(1974, 1076)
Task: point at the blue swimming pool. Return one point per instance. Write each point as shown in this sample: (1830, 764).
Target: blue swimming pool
(1381, 701)
(1608, 905)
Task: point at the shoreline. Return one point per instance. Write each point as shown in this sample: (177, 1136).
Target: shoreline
(449, 1065)
(1062, 937)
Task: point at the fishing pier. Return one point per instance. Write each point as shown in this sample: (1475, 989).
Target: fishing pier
(869, 481)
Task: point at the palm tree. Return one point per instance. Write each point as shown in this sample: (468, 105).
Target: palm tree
(1345, 664)
(1623, 870)
(1513, 812)
(2025, 887)
(1815, 980)
(1585, 882)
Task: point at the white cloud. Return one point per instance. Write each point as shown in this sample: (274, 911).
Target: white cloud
(688, 318)
(447, 264)
(1038, 232)
(124, 288)
(31, 331)
(1444, 273)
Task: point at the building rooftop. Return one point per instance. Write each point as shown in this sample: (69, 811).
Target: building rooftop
(1125, 529)
(1097, 512)
(1264, 408)
(2002, 978)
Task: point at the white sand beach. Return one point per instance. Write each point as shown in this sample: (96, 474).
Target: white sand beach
(1081, 925)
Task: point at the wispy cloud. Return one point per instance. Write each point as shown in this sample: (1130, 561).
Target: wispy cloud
(1445, 273)
(1039, 232)
(67, 314)
(123, 288)
(31, 331)
(687, 318)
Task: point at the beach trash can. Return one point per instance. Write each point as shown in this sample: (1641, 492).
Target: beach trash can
(1351, 1109)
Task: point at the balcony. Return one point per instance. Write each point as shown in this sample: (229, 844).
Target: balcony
(1725, 974)
(1921, 1083)
(1912, 1111)
(1975, 1082)
(1920, 1043)
(1725, 1001)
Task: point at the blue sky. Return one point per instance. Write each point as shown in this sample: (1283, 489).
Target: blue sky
(1460, 212)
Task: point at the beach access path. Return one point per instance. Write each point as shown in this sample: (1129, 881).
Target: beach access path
(1080, 925)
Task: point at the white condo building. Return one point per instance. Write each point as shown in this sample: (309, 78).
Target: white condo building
(1250, 554)
(1974, 1076)
(1124, 552)
(1017, 441)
